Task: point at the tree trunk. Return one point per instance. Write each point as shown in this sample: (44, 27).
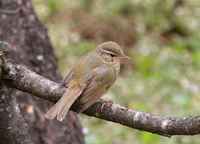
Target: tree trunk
(22, 115)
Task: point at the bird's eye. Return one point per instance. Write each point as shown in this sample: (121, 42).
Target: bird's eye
(112, 55)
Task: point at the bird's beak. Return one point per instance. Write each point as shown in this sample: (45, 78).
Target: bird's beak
(125, 59)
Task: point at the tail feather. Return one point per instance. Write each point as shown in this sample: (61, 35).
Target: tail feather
(73, 95)
(61, 108)
(53, 111)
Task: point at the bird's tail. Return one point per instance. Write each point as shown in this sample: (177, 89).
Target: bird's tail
(61, 108)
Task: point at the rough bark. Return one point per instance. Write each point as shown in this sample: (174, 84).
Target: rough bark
(28, 39)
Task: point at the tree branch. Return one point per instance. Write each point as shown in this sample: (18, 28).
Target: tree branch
(20, 77)
(13, 127)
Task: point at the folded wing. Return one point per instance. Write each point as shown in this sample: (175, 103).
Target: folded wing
(101, 79)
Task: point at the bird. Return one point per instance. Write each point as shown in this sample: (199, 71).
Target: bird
(91, 76)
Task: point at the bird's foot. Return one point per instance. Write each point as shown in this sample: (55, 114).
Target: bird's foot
(104, 102)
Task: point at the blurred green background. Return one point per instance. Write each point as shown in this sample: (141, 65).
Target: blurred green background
(163, 39)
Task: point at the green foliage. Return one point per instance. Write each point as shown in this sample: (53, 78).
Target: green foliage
(124, 7)
(53, 5)
(92, 139)
(179, 45)
(183, 101)
(144, 64)
(148, 138)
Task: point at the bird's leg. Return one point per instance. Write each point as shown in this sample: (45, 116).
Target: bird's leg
(104, 102)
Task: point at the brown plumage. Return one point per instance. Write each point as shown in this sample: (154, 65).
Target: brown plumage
(92, 75)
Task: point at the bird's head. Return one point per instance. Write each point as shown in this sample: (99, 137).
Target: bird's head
(111, 51)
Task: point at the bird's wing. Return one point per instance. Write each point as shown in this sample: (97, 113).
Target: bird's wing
(101, 79)
(68, 78)
(61, 108)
